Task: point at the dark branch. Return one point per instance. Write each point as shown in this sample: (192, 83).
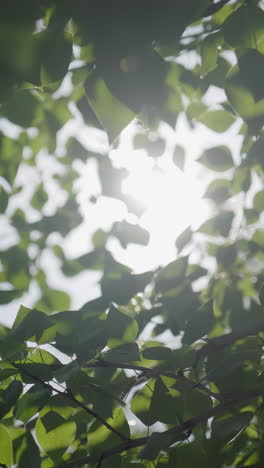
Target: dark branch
(176, 431)
(215, 7)
(154, 372)
(220, 342)
(68, 394)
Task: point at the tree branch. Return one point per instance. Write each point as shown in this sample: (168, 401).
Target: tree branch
(154, 372)
(215, 7)
(218, 343)
(176, 431)
(68, 394)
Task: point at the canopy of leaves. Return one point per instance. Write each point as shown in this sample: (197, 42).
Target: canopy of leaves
(99, 386)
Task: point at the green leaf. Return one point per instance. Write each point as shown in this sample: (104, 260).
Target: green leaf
(243, 102)
(9, 397)
(209, 51)
(258, 202)
(196, 403)
(181, 358)
(227, 428)
(54, 433)
(53, 44)
(6, 450)
(183, 455)
(124, 353)
(26, 451)
(67, 371)
(120, 326)
(218, 158)
(9, 295)
(166, 406)
(141, 404)
(32, 325)
(52, 300)
(218, 120)
(21, 109)
(156, 353)
(201, 322)
(100, 438)
(10, 158)
(32, 402)
(105, 105)
(157, 442)
(121, 286)
(244, 28)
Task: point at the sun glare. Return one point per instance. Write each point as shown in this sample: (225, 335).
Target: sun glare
(172, 199)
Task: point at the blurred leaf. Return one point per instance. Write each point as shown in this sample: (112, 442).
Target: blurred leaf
(251, 216)
(218, 158)
(106, 105)
(10, 158)
(226, 255)
(120, 287)
(218, 120)
(218, 190)
(21, 108)
(130, 233)
(209, 52)
(9, 295)
(52, 44)
(244, 27)
(99, 238)
(219, 225)
(171, 275)
(39, 198)
(183, 239)
(53, 300)
(258, 202)
(178, 157)
(32, 325)
(241, 180)
(3, 199)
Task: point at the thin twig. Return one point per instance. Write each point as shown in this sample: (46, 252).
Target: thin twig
(220, 342)
(175, 431)
(68, 394)
(154, 372)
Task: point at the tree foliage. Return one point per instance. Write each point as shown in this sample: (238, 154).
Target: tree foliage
(71, 381)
